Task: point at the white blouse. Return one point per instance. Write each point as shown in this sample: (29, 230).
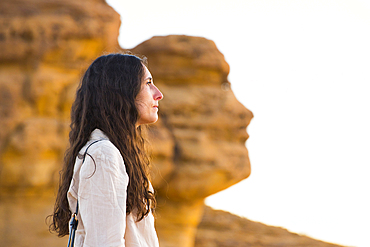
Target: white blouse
(101, 189)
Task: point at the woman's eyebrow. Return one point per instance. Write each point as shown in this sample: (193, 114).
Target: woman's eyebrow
(149, 78)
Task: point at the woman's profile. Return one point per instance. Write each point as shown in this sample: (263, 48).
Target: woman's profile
(110, 183)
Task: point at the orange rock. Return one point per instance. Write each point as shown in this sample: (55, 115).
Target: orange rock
(222, 229)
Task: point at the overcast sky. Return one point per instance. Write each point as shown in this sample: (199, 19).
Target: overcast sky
(302, 68)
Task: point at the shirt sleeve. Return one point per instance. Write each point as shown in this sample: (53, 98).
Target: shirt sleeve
(102, 196)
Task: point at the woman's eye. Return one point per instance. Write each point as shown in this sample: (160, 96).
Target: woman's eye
(149, 82)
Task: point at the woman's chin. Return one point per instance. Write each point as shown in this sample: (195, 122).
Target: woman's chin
(148, 120)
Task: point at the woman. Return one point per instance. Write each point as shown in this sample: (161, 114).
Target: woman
(110, 183)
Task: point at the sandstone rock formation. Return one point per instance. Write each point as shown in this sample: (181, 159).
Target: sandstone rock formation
(222, 229)
(198, 143)
(204, 128)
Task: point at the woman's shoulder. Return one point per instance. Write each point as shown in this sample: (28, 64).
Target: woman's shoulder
(102, 154)
(101, 148)
(100, 143)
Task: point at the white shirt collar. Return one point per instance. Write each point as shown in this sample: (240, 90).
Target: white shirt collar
(97, 134)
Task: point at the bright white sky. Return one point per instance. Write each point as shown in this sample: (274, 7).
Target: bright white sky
(303, 68)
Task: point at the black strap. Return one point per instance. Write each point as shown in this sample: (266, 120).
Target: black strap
(74, 221)
(88, 148)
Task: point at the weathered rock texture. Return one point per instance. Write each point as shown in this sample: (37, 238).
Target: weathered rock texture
(202, 126)
(222, 229)
(44, 46)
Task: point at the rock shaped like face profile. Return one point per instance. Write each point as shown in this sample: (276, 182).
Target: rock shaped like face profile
(206, 123)
(200, 138)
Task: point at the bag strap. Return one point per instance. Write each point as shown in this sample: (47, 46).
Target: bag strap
(74, 221)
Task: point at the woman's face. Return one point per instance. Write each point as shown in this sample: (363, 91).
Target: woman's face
(147, 100)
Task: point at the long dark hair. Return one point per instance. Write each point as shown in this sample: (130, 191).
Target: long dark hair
(105, 100)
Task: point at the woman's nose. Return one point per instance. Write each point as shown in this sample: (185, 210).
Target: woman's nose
(157, 94)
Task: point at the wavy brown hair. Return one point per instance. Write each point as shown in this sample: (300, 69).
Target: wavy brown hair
(105, 100)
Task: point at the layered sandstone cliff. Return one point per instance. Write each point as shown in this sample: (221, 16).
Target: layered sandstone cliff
(44, 47)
